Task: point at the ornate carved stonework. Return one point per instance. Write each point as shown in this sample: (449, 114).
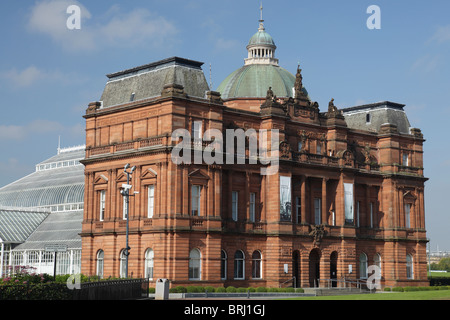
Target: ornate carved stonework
(317, 232)
(285, 150)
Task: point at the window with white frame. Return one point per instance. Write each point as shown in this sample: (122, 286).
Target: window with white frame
(239, 265)
(317, 210)
(409, 267)
(405, 161)
(197, 130)
(223, 265)
(102, 200)
(252, 209)
(151, 201)
(256, 265)
(234, 205)
(149, 263)
(363, 266)
(100, 259)
(195, 200)
(371, 214)
(407, 215)
(195, 265)
(298, 209)
(123, 265)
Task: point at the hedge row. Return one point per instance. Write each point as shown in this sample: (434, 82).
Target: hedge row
(410, 289)
(230, 289)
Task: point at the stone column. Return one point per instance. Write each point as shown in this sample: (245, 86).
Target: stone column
(324, 202)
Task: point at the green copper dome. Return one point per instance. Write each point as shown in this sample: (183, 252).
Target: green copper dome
(261, 38)
(253, 81)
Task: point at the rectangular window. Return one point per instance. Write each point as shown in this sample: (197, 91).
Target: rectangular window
(197, 130)
(252, 208)
(319, 149)
(408, 215)
(102, 204)
(285, 199)
(234, 205)
(317, 210)
(371, 214)
(151, 201)
(298, 209)
(300, 146)
(348, 200)
(405, 160)
(196, 192)
(358, 217)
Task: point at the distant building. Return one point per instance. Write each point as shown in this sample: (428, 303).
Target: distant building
(44, 208)
(348, 193)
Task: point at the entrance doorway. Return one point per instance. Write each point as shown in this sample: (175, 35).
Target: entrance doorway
(314, 268)
(333, 268)
(296, 269)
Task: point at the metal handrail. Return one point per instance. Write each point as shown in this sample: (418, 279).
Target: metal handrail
(289, 280)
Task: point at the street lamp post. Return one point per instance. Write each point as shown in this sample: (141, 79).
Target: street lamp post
(126, 194)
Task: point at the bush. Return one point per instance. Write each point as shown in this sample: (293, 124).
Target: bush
(397, 289)
(261, 289)
(387, 289)
(252, 289)
(272, 290)
(178, 289)
(193, 289)
(231, 289)
(152, 290)
(221, 289)
(241, 289)
(299, 290)
(210, 289)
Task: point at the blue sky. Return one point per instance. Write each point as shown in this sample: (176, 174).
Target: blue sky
(49, 74)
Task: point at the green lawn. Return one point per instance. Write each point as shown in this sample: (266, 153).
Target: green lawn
(415, 295)
(439, 274)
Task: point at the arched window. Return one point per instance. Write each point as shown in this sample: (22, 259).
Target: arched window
(256, 265)
(149, 263)
(100, 259)
(195, 265)
(239, 265)
(223, 265)
(377, 260)
(409, 267)
(363, 266)
(123, 265)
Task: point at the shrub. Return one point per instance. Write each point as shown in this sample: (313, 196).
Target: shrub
(210, 289)
(299, 290)
(152, 290)
(221, 289)
(397, 289)
(193, 289)
(261, 289)
(387, 289)
(241, 289)
(231, 289)
(178, 289)
(290, 290)
(252, 289)
(272, 290)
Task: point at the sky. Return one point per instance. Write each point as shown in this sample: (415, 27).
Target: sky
(49, 73)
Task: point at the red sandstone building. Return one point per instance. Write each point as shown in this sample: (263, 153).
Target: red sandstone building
(348, 193)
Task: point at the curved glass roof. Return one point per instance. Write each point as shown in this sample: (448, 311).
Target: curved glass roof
(52, 186)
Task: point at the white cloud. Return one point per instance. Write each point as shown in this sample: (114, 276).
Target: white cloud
(441, 35)
(32, 75)
(427, 63)
(139, 27)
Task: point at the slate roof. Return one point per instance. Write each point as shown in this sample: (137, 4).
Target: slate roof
(148, 81)
(380, 113)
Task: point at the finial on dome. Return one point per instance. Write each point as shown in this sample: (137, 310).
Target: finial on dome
(261, 20)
